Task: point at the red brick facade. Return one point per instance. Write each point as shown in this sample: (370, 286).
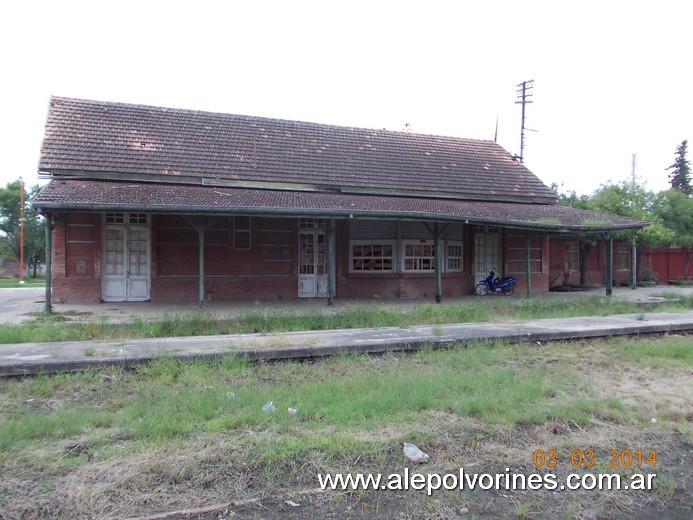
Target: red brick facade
(268, 270)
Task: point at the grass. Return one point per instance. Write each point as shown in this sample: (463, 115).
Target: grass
(54, 327)
(8, 283)
(169, 398)
(114, 443)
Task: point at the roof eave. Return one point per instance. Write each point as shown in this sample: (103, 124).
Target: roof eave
(47, 207)
(287, 186)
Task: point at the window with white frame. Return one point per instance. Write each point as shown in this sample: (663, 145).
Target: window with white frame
(137, 218)
(454, 257)
(312, 223)
(127, 218)
(419, 255)
(372, 256)
(115, 218)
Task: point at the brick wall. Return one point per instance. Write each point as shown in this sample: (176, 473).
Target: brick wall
(268, 269)
(76, 259)
(666, 264)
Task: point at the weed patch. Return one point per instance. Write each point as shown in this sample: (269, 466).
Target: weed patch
(54, 327)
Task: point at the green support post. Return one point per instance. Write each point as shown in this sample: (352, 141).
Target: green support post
(528, 261)
(330, 263)
(201, 234)
(49, 228)
(438, 262)
(609, 264)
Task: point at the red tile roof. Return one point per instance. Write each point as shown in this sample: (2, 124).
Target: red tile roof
(87, 194)
(113, 140)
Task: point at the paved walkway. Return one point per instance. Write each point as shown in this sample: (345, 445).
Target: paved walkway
(20, 359)
(18, 305)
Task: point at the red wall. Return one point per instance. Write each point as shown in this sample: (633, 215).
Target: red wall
(76, 259)
(515, 260)
(268, 271)
(666, 264)
(596, 269)
(265, 272)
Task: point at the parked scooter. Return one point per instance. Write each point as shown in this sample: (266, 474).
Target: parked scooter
(505, 285)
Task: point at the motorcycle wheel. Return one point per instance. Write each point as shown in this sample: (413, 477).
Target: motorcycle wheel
(508, 290)
(481, 289)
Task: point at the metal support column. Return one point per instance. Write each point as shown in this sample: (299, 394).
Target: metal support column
(436, 233)
(528, 261)
(331, 265)
(199, 225)
(635, 265)
(48, 307)
(609, 264)
(201, 235)
(438, 262)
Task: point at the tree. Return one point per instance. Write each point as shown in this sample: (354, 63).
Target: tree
(34, 236)
(676, 212)
(680, 177)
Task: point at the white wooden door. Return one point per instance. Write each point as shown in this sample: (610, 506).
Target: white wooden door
(126, 265)
(312, 264)
(487, 254)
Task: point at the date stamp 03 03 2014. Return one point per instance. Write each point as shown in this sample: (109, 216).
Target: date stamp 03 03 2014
(617, 458)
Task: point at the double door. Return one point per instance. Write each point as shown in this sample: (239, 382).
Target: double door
(312, 264)
(126, 265)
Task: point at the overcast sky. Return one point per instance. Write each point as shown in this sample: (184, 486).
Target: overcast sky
(611, 79)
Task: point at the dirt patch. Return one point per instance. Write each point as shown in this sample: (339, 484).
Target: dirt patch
(212, 477)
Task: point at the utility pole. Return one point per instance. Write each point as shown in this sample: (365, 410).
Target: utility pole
(634, 252)
(21, 231)
(524, 92)
(635, 155)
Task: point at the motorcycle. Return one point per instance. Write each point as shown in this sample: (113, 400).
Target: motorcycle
(505, 285)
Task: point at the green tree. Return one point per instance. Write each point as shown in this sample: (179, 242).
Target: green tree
(627, 199)
(680, 177)
(675, 210)
(34, 236)
(570, 199)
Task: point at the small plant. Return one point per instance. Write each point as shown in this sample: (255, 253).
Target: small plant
(648, 275)
(89, 352)
(522, 509)
(665, 486)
